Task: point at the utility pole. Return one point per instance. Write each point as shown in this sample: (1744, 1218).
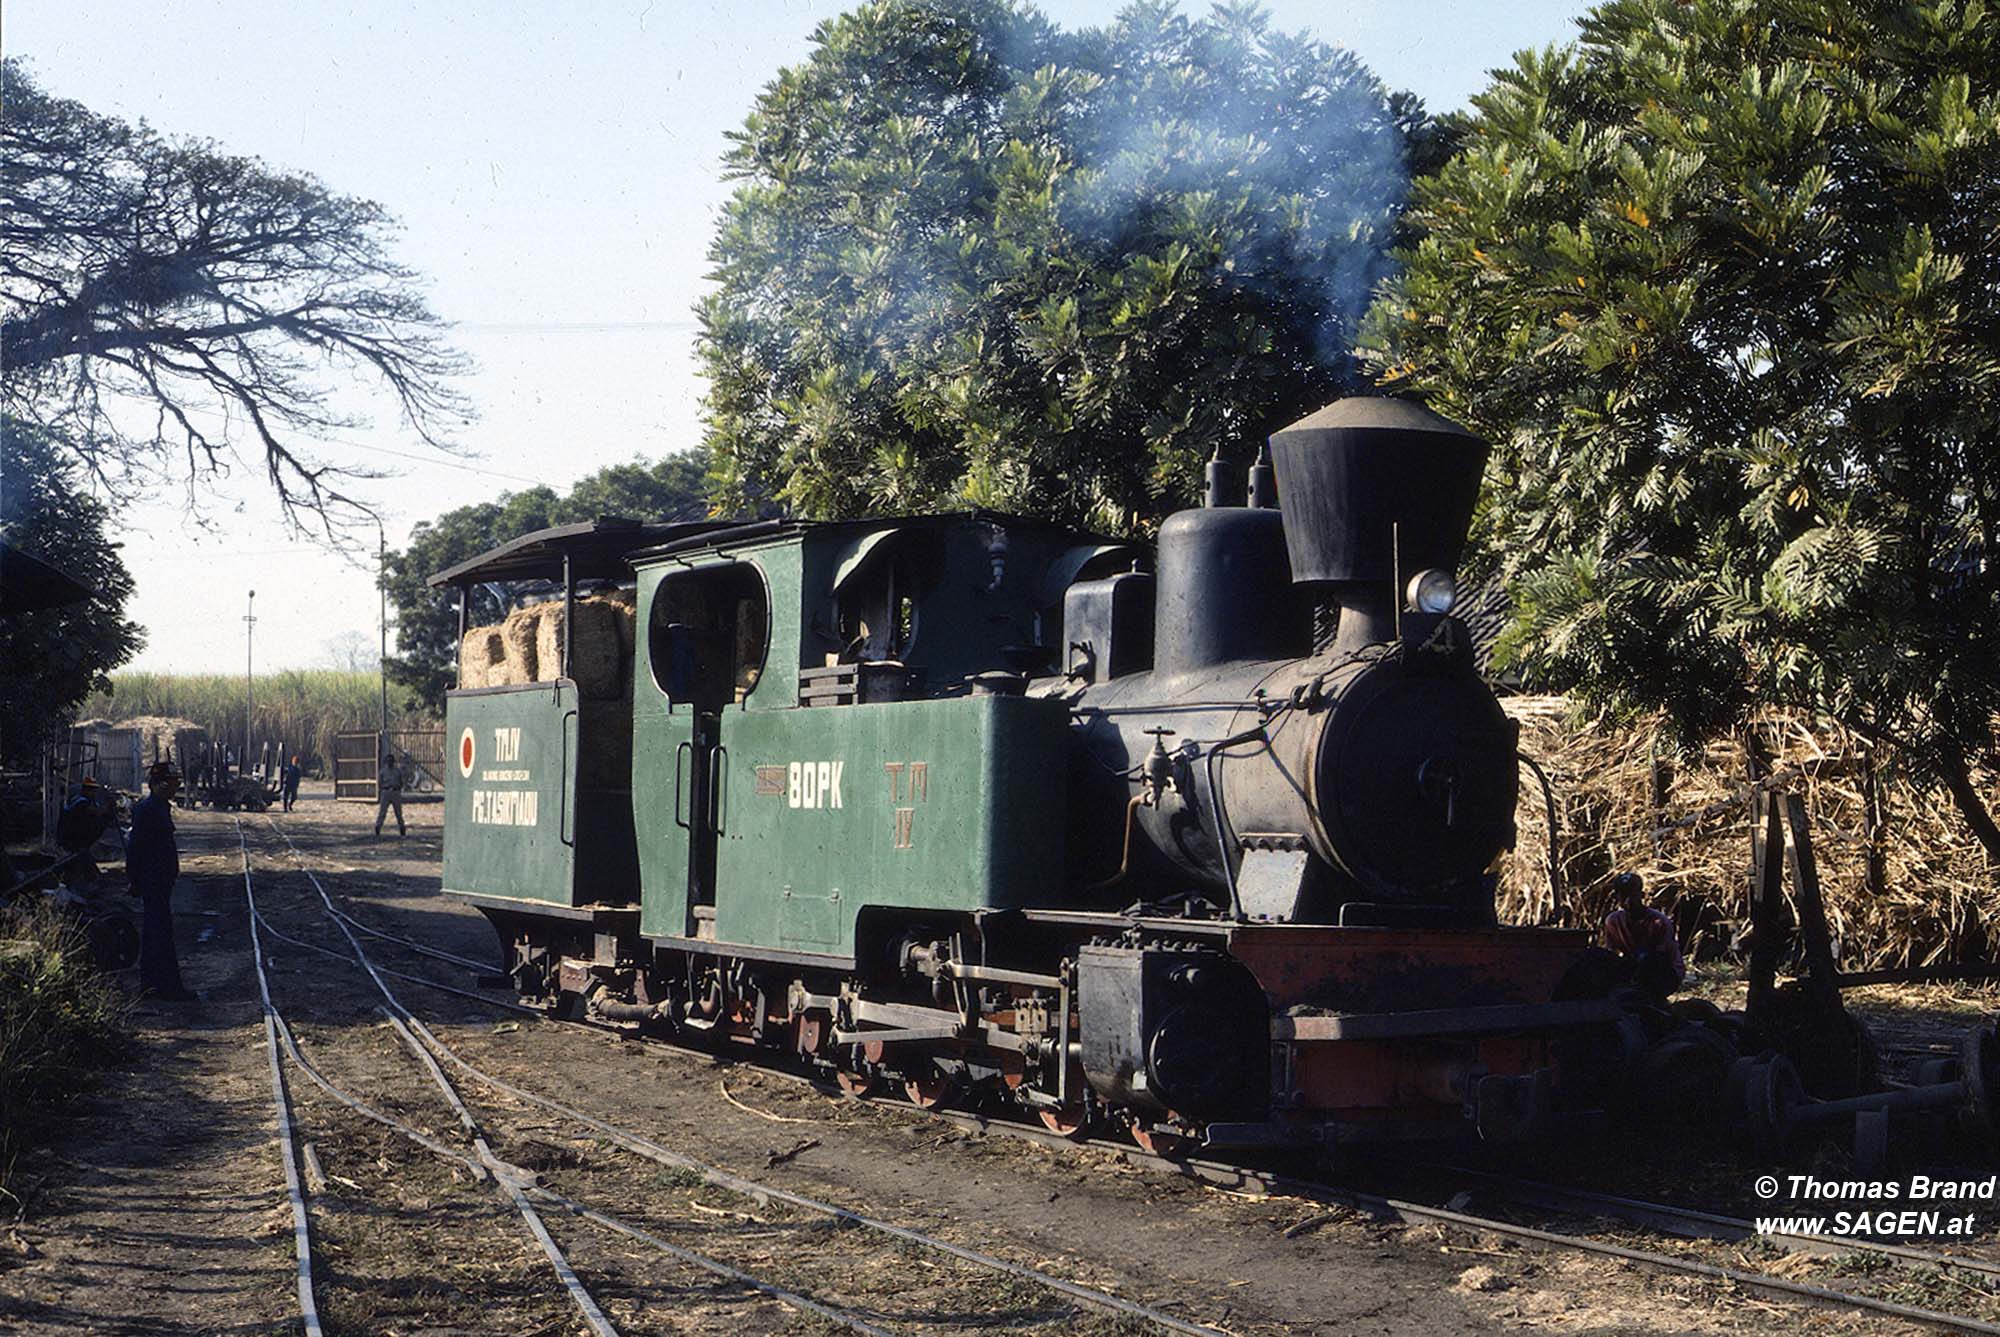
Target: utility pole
(382, 665)
(249, 687)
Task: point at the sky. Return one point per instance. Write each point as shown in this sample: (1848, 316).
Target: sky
(556, 171)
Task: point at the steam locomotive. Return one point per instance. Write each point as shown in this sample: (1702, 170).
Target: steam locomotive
(1193, 840)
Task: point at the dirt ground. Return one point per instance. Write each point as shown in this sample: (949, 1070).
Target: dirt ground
(163, 1211)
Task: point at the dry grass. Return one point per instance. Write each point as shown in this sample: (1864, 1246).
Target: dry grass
(1627, 800)
(59, 1019)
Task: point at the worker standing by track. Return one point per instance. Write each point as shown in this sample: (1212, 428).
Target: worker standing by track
(288, 782)
(152, 863)
(389, 793)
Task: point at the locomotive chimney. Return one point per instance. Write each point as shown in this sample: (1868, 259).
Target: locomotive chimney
(1375, 490)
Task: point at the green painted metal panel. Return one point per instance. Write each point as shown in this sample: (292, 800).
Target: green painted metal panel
(658, 735)
(509, 790)
(778, 563)
(662, 731)
(949, 804)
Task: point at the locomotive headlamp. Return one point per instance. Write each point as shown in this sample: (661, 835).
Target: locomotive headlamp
(1432, 591)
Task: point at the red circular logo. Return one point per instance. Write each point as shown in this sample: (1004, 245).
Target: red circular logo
(465, 753)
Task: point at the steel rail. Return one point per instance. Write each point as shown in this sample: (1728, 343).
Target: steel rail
(422, 947)
(1697, 1224)
(1222, 1174)
(1229, 1176)
(1757, 1282)
(647, 1148)
(301, 1221)
(527, 1181)
(1225, 1175)
(401, 975)
(399, 1016)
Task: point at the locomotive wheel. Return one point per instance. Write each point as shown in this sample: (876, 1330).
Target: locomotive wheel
(807, 1032)
(1171, 1146)
(1682, 1075)
(858, 1085)
(1068, 1121)
(928, 1092)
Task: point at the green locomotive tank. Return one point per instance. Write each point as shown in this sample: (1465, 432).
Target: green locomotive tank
(992, 809)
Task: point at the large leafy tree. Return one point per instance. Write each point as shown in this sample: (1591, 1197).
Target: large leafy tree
(977, 260)
(1721, 284)
(52, 659)
(671, 488)
(163, 303)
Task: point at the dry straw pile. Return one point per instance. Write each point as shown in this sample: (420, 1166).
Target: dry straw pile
(527, 647)
(1626, 799)
(156, 734)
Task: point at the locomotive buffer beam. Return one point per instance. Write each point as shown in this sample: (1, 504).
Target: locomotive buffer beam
(1506, 1106)
(1453, 1022)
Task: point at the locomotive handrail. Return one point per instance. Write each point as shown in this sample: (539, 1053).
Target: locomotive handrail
(562, 807)
(684, 748)
(1549, 804)
(1221, 818)
(718, 760)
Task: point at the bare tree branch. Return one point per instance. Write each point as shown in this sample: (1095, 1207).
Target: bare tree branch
(143, 270)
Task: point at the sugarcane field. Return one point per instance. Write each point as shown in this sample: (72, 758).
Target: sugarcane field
(969, 666)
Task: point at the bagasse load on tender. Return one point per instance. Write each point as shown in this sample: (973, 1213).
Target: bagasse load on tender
(526, 647)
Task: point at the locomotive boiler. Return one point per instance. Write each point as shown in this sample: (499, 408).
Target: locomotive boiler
(1194, 840)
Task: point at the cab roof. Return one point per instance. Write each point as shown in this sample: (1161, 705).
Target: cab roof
(768, 529)
(596, 549)
(607, 547)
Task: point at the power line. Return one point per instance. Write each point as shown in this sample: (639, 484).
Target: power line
(446, 463)
(220, 554)
(427, 459)
(575, 326)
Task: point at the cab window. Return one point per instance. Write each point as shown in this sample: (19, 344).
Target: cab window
(708, 634)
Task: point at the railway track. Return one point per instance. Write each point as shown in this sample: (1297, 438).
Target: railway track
(1495, 1191)
(523, 1185)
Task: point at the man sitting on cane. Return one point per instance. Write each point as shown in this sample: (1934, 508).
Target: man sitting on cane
(1644, 939)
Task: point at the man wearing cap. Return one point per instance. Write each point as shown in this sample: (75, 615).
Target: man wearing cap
(152, 862)
(389, 793)
(82, 823)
